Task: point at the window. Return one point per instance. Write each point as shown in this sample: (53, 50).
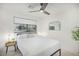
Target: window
(55, 25)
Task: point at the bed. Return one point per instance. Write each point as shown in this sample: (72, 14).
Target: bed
(38, 46)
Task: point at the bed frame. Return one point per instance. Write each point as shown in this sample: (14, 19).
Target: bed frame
(59, 50)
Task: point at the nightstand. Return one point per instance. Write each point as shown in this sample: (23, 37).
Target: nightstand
(10, 43)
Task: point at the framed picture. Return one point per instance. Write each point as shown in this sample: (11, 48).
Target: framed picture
(25, 28)
(55, 25)
(23, 25)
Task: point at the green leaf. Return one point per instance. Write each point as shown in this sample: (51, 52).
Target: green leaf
(75, 34)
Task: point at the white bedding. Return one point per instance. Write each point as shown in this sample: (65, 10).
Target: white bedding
(37, 46)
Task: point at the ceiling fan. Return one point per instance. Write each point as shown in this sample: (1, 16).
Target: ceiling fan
(42, 9)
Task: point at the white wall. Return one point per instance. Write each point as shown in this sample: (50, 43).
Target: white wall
(68, 14)
(7, 13)
(69, 19)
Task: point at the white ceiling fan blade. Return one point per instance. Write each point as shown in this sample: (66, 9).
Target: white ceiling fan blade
(35, 11)
(46, 12)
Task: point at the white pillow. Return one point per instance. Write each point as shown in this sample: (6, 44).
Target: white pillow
(24, 36)
(31, 35)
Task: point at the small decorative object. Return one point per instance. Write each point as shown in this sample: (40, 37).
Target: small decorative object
(11, 37)
(75, 34)
(55, 25)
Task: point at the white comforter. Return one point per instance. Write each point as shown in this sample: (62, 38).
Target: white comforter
(37, 46)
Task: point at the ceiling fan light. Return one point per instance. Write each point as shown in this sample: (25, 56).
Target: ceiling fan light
(41, 10)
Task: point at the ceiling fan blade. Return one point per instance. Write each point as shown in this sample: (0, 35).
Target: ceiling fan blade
(35, 11)
(42, 9)
(46, 12)
(43, 6)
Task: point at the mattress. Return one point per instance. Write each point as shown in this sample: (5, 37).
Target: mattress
(37, 46)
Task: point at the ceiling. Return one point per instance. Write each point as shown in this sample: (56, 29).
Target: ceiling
(55, 9)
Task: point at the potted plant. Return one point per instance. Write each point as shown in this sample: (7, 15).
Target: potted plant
(75, 34)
